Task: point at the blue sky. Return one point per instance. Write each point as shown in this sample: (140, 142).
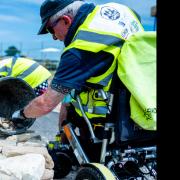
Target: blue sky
(20, 22)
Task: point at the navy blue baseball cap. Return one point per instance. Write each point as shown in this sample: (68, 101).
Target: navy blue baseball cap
(48, 9)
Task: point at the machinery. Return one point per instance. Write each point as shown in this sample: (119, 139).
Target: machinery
(105, 157)
(104, 154)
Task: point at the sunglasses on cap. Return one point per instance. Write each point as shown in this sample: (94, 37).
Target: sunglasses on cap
(50, 27)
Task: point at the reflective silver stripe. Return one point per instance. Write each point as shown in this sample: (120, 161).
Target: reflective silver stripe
(28, 71)
(106, 80)
(102, 110)
(12, 64)
(99, 38)
(5, 69)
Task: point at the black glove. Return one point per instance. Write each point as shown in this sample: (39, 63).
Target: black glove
(18, 116)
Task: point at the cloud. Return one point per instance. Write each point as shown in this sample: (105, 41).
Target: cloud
(33, 1)
(21, 21)
(10, 18)
(6, 34)
(29, 1)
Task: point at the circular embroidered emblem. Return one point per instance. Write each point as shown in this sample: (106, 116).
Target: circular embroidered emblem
(109, 13)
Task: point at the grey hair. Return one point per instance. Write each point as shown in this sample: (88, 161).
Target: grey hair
(70, 10)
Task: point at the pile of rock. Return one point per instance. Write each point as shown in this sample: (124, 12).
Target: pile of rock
(24, 157)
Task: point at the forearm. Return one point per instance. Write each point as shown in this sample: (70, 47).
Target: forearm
(43, 104)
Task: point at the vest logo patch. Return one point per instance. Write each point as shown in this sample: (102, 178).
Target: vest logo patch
(109, 13)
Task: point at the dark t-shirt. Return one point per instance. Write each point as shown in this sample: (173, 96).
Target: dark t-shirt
(76, 66)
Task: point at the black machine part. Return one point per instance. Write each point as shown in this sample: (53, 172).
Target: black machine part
(15, 94)
(89, 173)
(62, 165)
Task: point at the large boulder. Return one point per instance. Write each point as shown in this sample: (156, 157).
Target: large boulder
(28, 166)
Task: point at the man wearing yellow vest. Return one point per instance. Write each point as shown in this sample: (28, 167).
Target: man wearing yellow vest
(93, 37)
(29, 70)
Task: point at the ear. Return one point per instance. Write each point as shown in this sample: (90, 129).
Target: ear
(67, 20)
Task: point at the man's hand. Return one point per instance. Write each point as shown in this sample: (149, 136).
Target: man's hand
(18, 116)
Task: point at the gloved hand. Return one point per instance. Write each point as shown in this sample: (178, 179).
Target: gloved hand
(18, 116)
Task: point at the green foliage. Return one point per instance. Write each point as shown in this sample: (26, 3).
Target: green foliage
(11, 51)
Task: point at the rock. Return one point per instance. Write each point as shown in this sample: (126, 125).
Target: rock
(48, 174)
(33, 144)
(7, 143)
(23, 137)
(2, 157)
(28, 139)
(28, 167)
(6, 177)
(10, 151)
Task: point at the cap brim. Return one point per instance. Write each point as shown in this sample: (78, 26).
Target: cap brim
(42, 29)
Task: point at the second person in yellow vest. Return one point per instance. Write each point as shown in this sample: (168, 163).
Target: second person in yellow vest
(27, 69)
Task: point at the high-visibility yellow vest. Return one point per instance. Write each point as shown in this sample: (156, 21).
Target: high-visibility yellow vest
(137, 71)
(28, 70)
(105, 29)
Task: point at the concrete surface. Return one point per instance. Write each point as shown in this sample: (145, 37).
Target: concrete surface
(47, 125)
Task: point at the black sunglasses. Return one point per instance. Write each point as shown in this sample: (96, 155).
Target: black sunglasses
(50, 28)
